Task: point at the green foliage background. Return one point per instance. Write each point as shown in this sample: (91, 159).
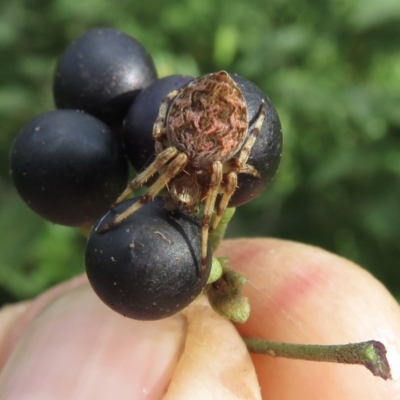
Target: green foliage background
(332, 69)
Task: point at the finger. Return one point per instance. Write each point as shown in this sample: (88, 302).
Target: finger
(303, 294)
(9, 314)
(15, 318)
(235, 258)
(215, 363)
(77, 348)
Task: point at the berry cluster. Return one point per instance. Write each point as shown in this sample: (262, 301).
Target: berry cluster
(200, 145)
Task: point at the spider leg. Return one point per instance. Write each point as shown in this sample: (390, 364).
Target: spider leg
(159, 129)
(159, 126)
(238, 166)
(162, 159)
(173, 169)
(245, 152)
(159, 146)
(215, 182)
(230, 186)
(234, 165)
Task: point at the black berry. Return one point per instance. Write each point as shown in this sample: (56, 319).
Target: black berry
(148, 266)
(68, 167)
(266, 153)
(101, 73)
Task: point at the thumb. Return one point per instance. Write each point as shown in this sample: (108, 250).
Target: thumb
(76, 348)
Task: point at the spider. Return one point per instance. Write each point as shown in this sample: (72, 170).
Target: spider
(202, 143)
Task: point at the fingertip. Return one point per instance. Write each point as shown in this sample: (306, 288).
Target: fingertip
(303, 294)
(215, 363)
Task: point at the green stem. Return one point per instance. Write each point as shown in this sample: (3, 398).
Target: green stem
(85, 230)
(371, 354)
(218, 234)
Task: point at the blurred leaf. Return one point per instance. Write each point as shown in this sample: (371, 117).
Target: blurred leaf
(369, 13)
(225, 47)
(36, 254)
(331, 68)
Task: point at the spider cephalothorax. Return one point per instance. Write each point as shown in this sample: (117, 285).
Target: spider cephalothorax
(202, 143)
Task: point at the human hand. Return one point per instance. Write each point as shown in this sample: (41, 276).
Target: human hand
(67, 345)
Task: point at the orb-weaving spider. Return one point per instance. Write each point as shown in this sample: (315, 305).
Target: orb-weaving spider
(202, 143)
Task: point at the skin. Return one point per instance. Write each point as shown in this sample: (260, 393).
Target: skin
(67, 345)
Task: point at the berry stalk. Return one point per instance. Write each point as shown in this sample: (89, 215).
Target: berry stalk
(370, 354)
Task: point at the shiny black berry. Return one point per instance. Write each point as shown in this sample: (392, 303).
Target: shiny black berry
(101, 73)
(68, 167)
(148, 266)
(266, 153)
(139, 121)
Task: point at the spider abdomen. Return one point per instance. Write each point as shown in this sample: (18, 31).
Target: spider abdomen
(207, 120)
